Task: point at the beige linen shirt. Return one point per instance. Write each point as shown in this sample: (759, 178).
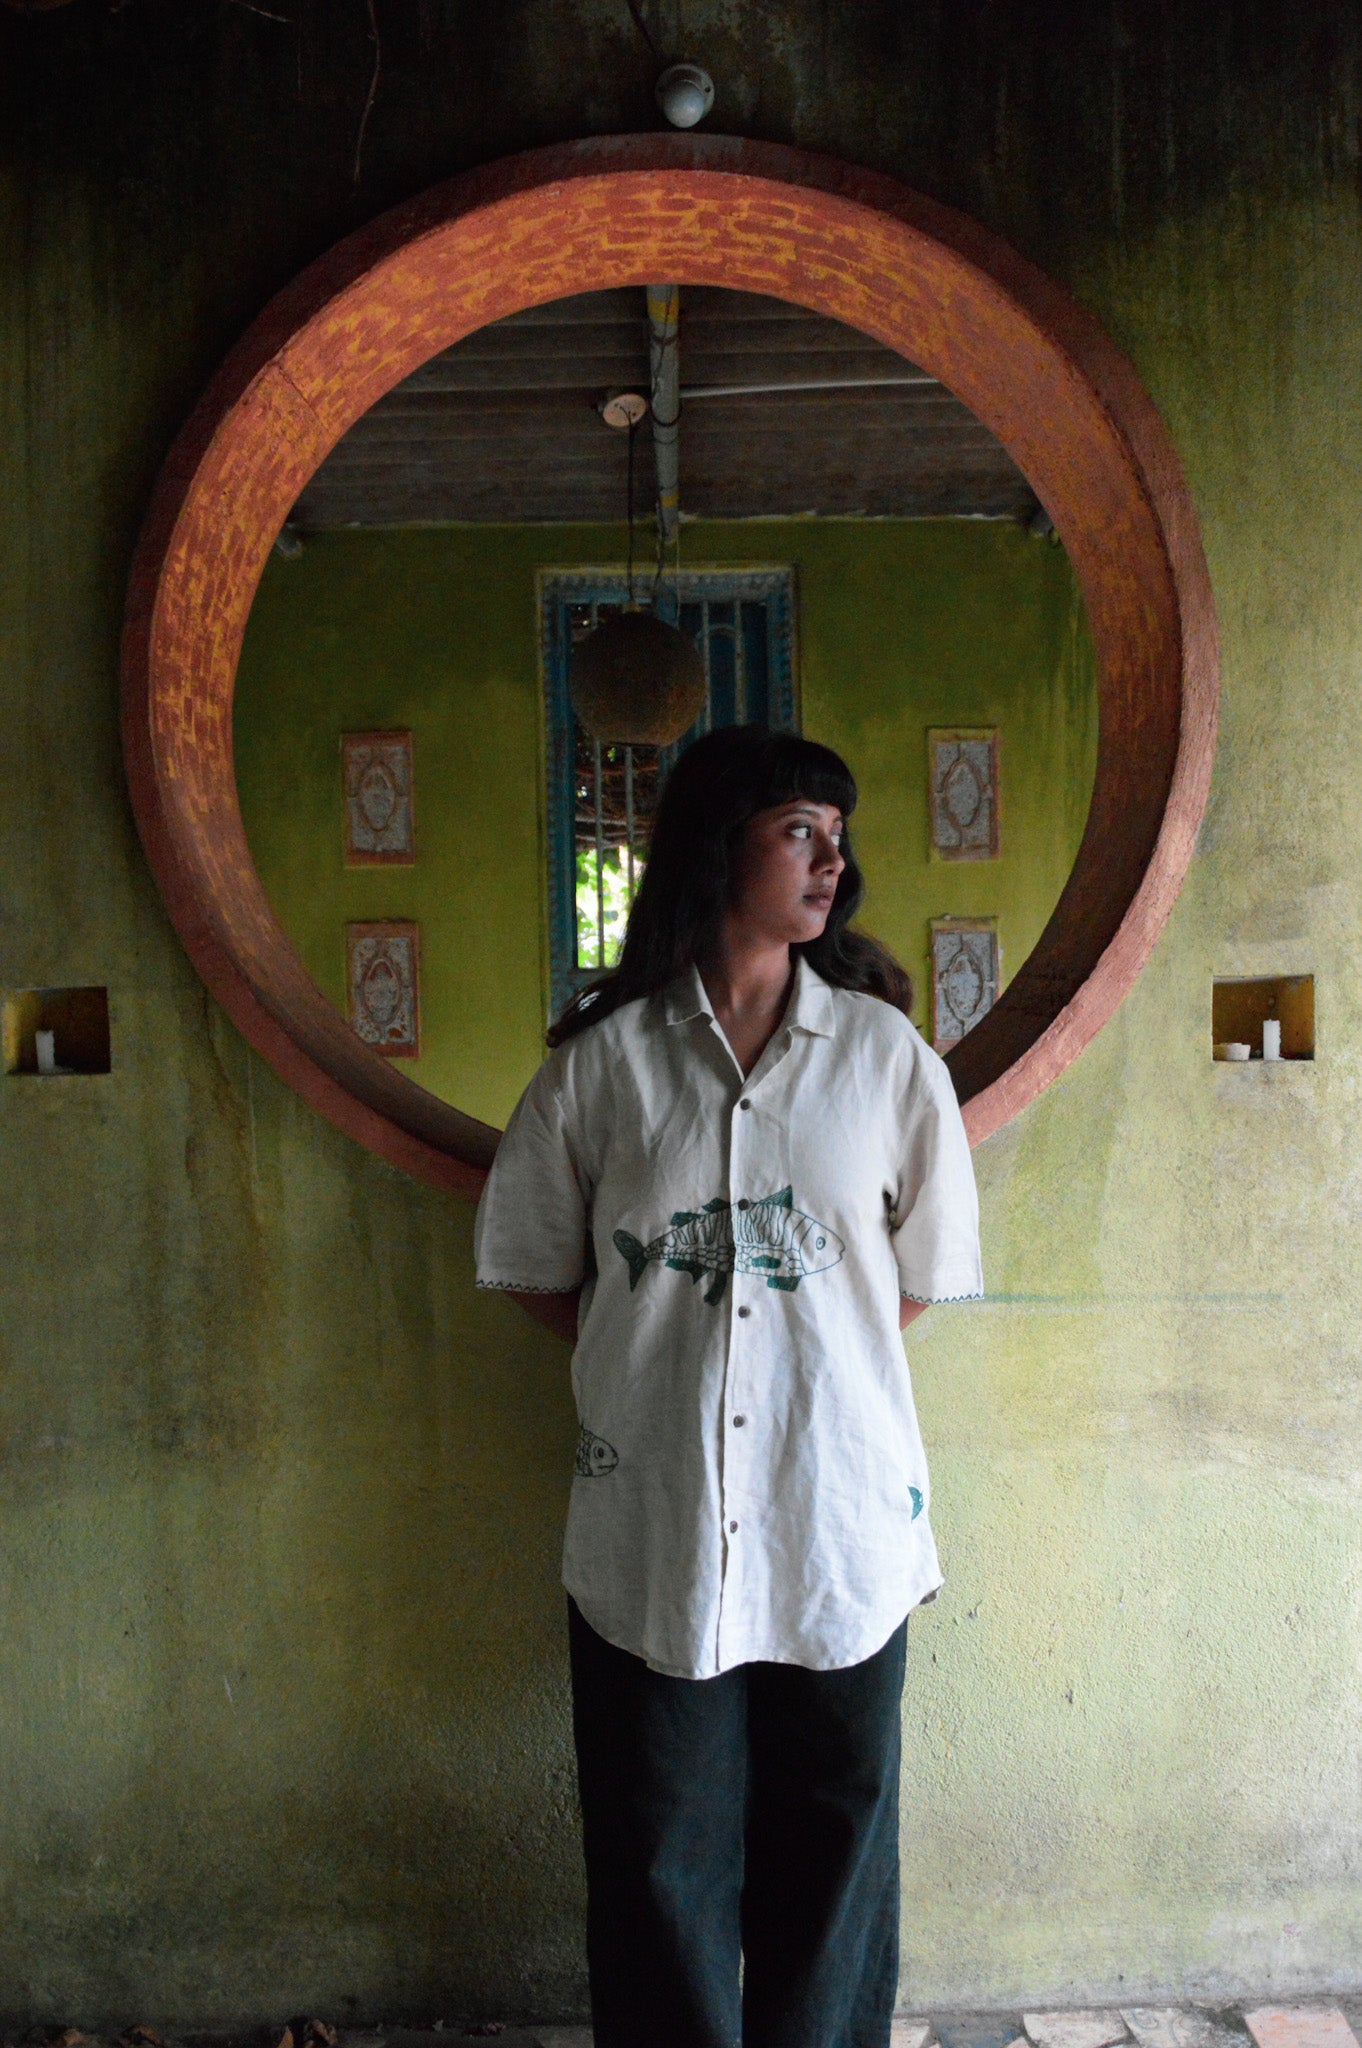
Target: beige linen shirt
(750, 1481)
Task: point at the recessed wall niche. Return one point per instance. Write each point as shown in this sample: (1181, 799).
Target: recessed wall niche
(54, 1031)
(1241, 1005)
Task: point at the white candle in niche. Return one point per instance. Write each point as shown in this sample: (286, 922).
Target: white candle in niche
(46, 1045)
(1272, 1038)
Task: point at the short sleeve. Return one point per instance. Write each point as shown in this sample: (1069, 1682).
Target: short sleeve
(530, 1232)
(935, 1226)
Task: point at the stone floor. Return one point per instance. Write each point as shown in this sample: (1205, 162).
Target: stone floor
(1315, 2023)
(1323, 2022)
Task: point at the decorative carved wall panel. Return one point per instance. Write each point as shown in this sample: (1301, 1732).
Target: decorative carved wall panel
(963, 767)
(376, 779)
(382, 980)
(966, 970)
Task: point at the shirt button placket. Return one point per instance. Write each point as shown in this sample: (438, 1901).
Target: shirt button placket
(731, 1521)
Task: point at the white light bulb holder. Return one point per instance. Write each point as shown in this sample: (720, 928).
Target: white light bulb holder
(685, 93)
(624, 409)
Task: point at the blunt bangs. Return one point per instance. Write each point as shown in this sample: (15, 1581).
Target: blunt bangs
(739, 770)
(798, 767)
(711, 796)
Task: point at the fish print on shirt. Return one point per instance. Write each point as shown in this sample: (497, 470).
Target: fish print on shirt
(769, 1238)
(595, 1457)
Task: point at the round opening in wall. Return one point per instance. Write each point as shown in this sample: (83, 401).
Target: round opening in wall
(712, 214)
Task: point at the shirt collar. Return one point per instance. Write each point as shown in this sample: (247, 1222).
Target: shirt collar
(686, 998)
(811, 1006)
(810, 1009)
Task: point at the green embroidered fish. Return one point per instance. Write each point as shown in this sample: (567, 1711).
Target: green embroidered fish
(768, 1237)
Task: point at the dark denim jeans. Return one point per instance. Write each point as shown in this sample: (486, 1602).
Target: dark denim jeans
(752, 1815)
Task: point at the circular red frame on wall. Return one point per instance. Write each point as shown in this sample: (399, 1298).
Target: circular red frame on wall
(711, 210)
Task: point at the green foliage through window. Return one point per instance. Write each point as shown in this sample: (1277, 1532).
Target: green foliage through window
(602, 795)
(601, 917)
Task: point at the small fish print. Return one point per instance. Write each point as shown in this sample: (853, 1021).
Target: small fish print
(768, 1237)
(595, 1457)
(917, 1503)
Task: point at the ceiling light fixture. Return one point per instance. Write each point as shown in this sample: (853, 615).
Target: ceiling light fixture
(635, 679)
(623, 409)
(685, 94)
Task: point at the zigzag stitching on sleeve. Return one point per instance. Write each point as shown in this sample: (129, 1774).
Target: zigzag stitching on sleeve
(935, 1300)
(524, 1287)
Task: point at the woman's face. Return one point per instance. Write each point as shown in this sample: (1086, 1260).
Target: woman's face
(787, 871)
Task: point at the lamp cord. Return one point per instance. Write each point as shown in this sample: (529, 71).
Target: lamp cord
(633, 429)
(670, 341)
(641, 25)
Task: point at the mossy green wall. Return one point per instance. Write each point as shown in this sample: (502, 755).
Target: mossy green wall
(902, 625)
(283, 1720)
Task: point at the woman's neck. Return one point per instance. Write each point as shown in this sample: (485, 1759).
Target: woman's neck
(748, 981)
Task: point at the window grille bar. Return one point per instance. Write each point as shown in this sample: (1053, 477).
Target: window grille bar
(600, 859)
(704, 649)
(629, 818)
(754, 607)
(739, 665)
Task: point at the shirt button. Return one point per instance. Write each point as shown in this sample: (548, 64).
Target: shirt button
(744, 1203)
(744, 1104)
(738, 1421)
(732, 1528)
(744, 1311)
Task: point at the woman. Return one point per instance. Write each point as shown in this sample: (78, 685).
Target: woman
(739, 1174)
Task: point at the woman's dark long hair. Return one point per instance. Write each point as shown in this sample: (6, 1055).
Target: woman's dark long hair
(712, 794)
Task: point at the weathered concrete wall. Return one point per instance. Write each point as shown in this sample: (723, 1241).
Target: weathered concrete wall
(283, 1717)
(901, 626)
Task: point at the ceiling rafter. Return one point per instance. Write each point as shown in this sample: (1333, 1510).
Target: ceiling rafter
(505, 425)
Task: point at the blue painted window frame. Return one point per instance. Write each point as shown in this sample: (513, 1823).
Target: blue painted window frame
(772, 701)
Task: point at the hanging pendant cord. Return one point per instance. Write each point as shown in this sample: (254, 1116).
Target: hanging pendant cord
(633, 429)
(641, 25)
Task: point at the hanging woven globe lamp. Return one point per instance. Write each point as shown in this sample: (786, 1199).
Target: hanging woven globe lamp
(636, 681)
